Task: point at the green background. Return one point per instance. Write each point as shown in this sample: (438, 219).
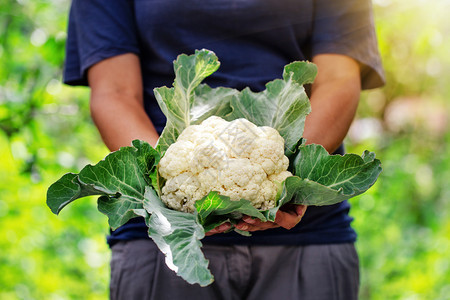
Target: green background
(45, 131)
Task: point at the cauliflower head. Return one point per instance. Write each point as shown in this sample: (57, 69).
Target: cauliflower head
(237, 159)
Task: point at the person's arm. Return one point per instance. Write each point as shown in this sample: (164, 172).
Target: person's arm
(116, 102)
(334, 99)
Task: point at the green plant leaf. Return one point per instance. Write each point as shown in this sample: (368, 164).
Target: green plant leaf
(120, 179)
(301, 72)
(350, 173)
(215, 209)
(67, 189)
(284, 104)
(177, 235)
(307, 192)
(323, 179)
(188, 102)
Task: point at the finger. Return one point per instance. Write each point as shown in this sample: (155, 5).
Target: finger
(252, 221)
(300, 210)
(289, 219)
(219, 229)
(286, 219)
(258, 226)
(254, 224)
(294, 209)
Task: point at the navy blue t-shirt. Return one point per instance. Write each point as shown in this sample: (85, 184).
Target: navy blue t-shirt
(253, 39)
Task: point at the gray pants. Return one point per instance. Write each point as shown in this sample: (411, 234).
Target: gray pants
(328, 272)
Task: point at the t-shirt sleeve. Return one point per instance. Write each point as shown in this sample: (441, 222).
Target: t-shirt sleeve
(347, 27)
(97, 30)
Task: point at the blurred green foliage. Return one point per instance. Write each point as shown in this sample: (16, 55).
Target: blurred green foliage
(403, 222)
(45, 131)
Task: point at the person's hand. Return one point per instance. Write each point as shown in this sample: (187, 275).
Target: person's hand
(219, 229)
(287, 217)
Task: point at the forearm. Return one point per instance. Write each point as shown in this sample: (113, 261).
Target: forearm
(334, 100)
(117, 105)
(120, 121)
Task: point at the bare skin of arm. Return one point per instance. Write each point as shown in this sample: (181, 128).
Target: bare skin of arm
(117, 105)
(334, 100)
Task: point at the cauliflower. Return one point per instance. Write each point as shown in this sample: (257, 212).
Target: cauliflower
(237, 159)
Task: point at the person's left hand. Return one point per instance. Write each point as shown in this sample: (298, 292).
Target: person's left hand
(287, 217)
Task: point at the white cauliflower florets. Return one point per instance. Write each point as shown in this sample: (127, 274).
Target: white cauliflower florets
(237, 159)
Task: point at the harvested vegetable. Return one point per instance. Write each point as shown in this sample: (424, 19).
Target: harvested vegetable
(236, 159)
(139, 180)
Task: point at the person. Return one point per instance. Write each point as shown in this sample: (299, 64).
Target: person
(124, 49)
